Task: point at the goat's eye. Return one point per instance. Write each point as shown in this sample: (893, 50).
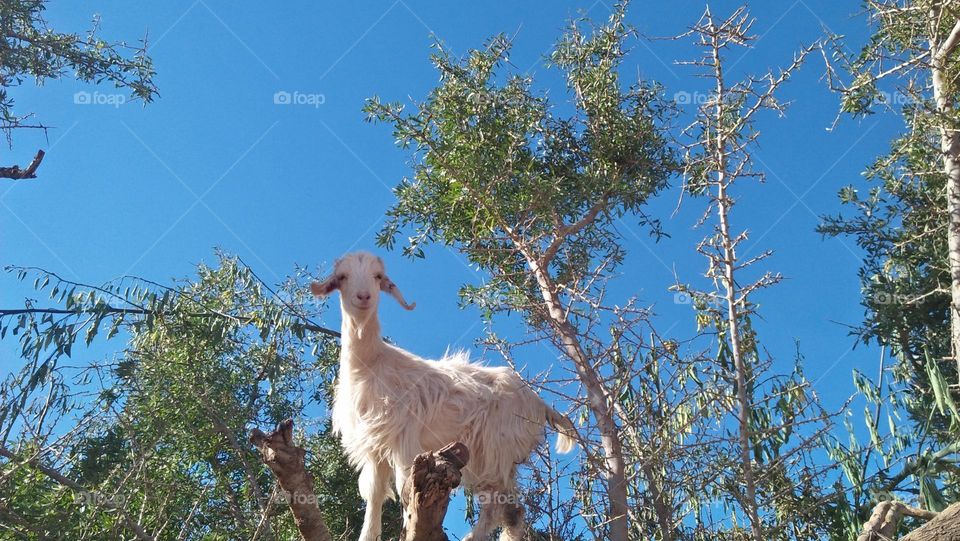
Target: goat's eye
(379, 276)
(342, 277)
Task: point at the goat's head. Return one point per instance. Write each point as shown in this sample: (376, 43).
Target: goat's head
(359, 276)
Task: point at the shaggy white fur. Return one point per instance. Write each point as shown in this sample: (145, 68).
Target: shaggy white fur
(391, 405)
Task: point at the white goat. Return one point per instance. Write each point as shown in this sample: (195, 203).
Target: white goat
(391, 405)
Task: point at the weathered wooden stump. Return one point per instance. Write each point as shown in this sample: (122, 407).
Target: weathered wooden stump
(427, 491)
(286, 460)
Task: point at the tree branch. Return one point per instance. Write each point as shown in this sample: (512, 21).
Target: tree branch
(949, 45)
(573, 229)
(885, 521)
(16, 173)
(143, 312)
(945, 526)
(428, 488)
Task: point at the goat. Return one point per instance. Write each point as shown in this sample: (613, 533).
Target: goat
(390, 405)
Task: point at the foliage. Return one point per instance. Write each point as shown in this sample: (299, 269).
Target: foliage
(501, 145)
(30, 49)
(900, 220)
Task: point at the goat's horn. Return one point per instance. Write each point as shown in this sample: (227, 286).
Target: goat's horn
(391, 288)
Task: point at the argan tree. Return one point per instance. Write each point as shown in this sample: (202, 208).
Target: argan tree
(533, 199)
(772, 487)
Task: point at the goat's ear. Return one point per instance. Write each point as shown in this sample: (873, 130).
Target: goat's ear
(325, 287)
(390, 288)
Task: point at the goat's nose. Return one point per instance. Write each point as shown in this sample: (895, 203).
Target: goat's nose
(364, 296)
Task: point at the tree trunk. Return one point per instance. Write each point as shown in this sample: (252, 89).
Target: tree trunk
(744, 401)
(944, 527)
(729, 264)
(950, 149)
(598, 401)
(287, 463)
(428, 488)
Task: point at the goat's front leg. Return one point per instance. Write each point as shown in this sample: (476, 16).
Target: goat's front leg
(400, 474)
(374, 486)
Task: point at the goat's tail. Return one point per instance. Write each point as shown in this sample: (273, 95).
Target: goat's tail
(566, 432)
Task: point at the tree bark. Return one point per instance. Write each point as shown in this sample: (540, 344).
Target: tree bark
(950, 150)
(428, 488)
(944, 527)
(598, 401)
(287, 463)
(885, 520)
(15, 173)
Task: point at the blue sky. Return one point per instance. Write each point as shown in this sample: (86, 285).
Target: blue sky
(215, 162)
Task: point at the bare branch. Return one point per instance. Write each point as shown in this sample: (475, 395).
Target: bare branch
(573, 229)
(16, 173)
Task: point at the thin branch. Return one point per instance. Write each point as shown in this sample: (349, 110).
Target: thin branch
(142, 312)
(573, 229)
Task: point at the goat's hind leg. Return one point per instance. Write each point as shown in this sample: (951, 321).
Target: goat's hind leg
(513, 524)
(374, 486)
(489, 518)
